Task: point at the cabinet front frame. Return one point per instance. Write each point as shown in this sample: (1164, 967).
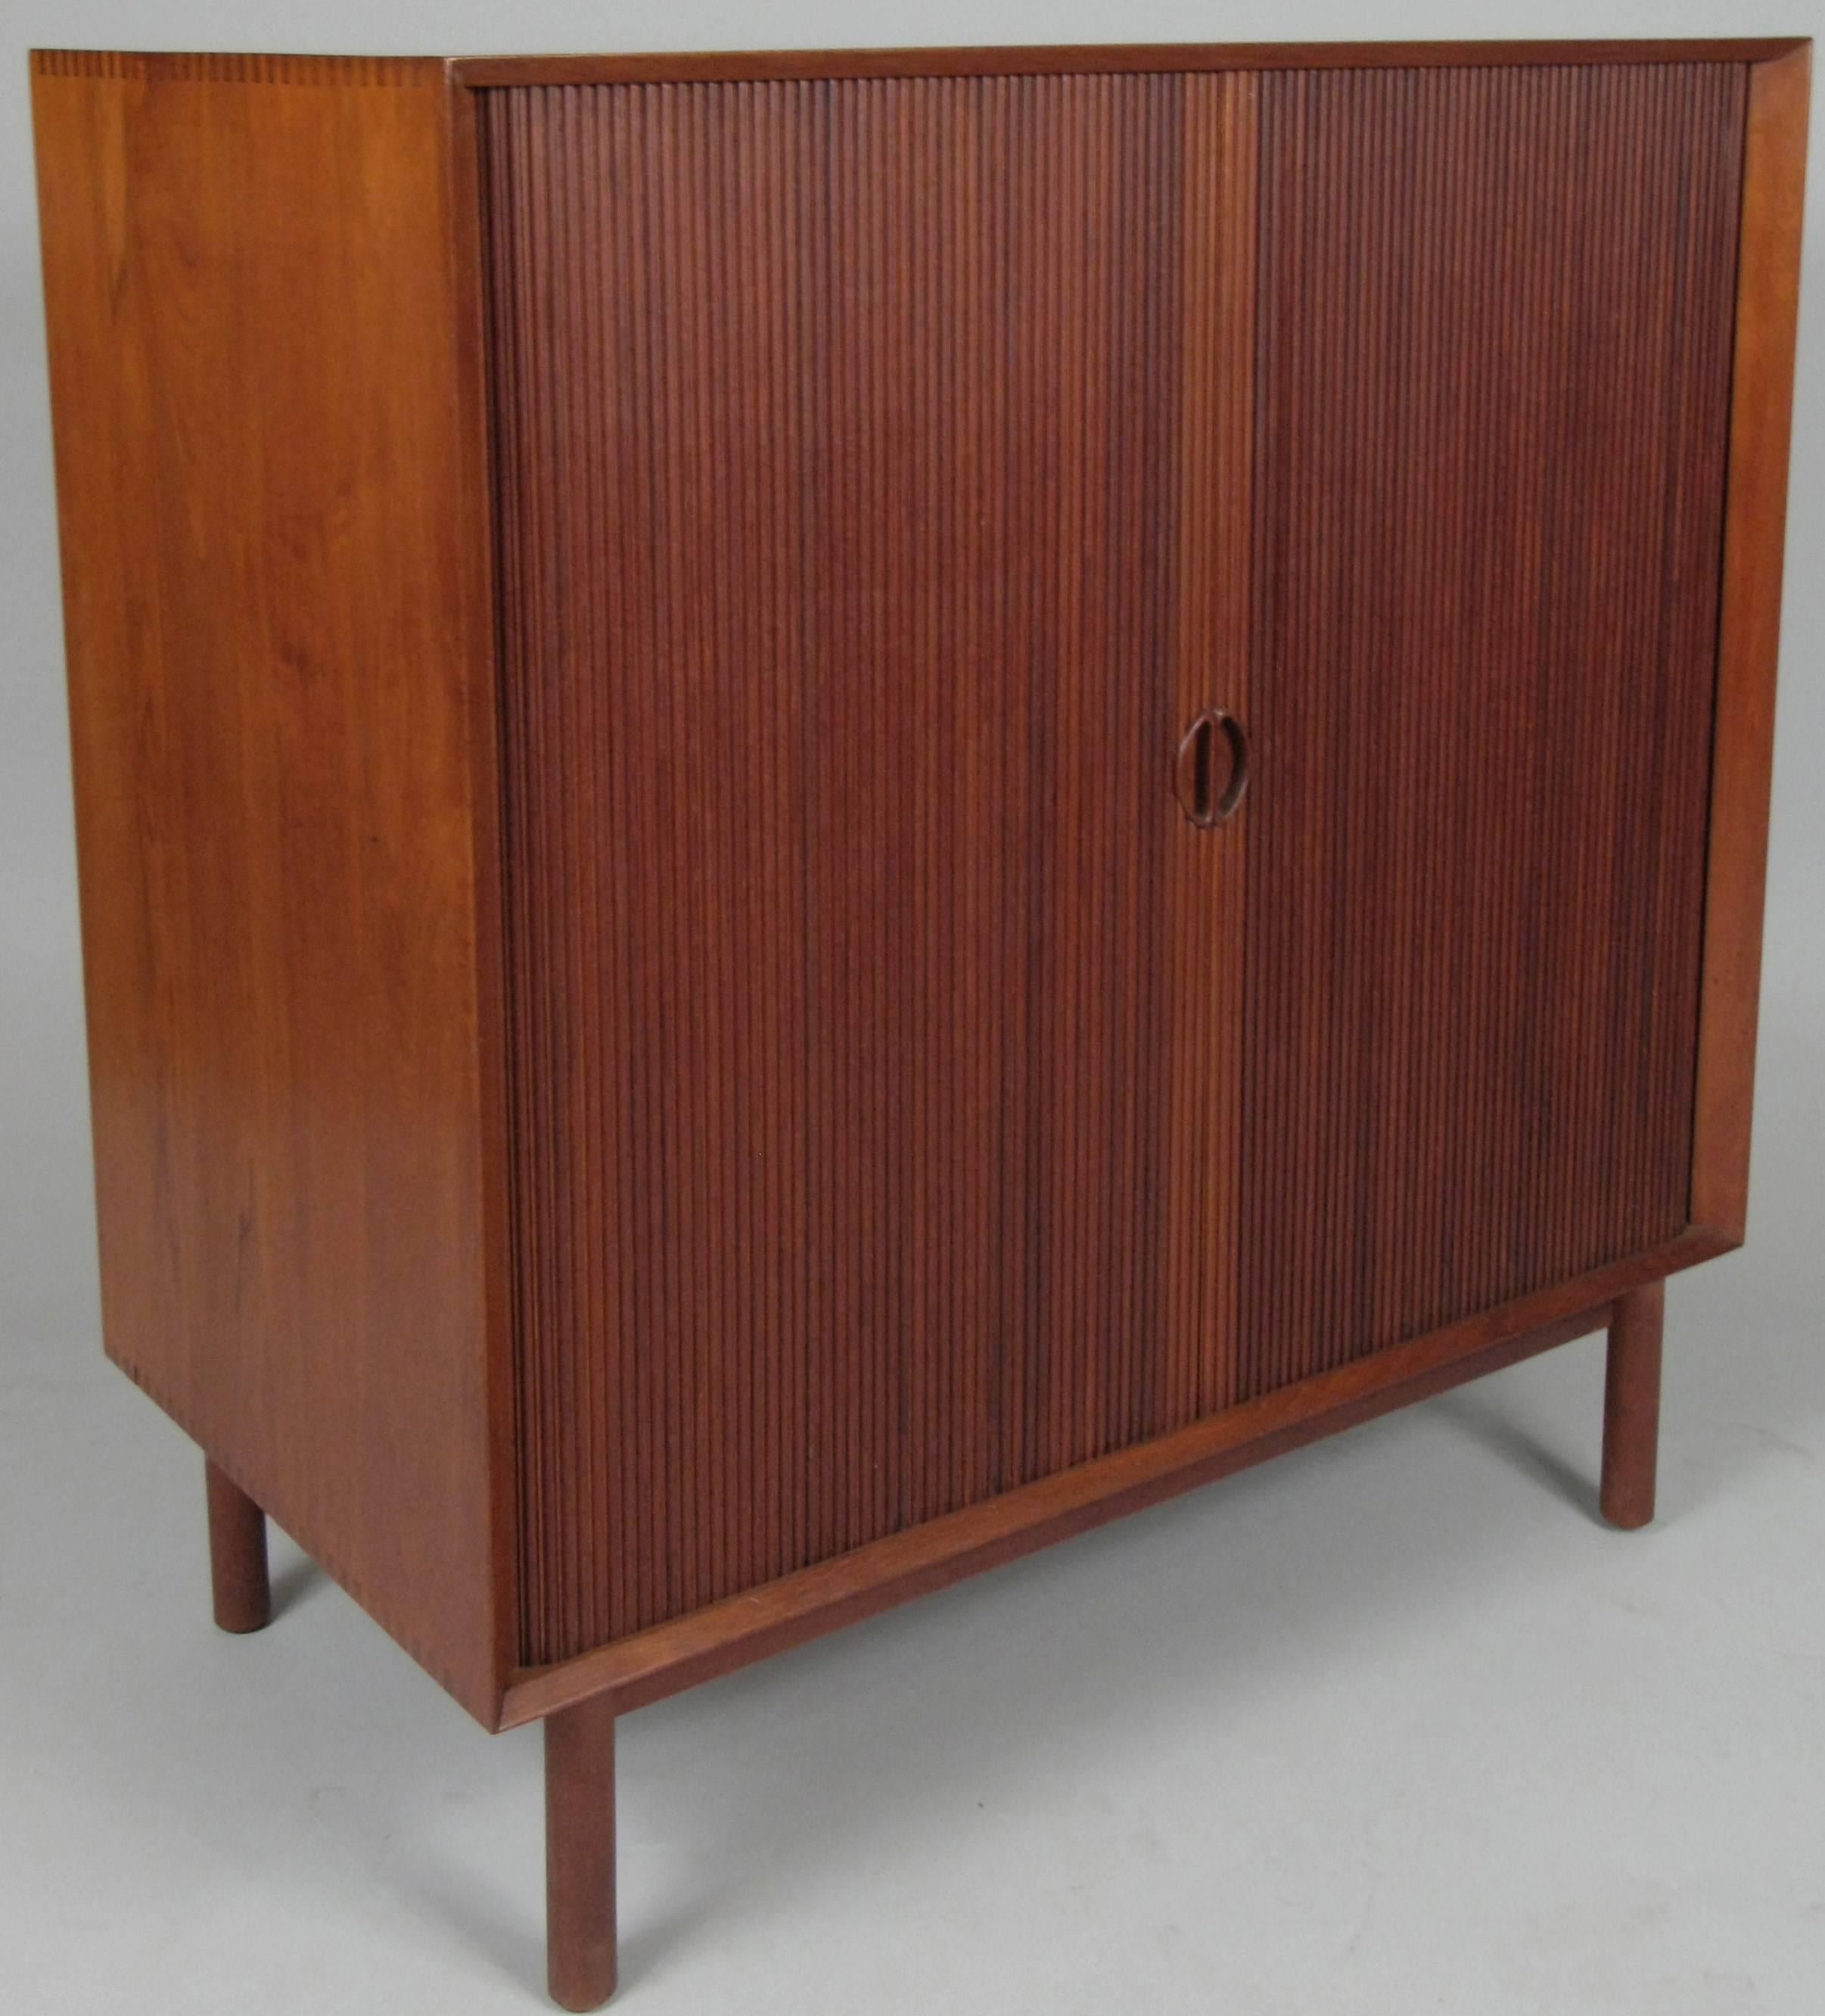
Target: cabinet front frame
(654, 1663)
(1768, 275)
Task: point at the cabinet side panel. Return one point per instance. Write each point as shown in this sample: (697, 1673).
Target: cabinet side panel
(279, 690)
(1496, 329)
(873, 461)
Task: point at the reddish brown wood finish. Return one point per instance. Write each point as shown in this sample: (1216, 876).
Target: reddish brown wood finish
(1743, 753)
(750, 1185)
(921, 1142)
(238, 1583)
(1632, 1405)
(471, 502)
(728, 1635)
(280, 693)
(1496, 311)
(863, 550)
(579, 1853)
(1098, 58)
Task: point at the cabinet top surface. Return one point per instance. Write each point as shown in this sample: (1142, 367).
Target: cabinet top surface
(737, 65)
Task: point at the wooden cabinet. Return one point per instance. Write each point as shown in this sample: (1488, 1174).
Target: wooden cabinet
(836, 811)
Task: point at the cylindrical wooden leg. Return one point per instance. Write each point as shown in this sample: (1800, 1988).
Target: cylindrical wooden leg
(579, 1853)
(237, 1555)
(1632, 1405)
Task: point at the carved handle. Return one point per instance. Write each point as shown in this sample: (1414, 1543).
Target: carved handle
(1194, 775)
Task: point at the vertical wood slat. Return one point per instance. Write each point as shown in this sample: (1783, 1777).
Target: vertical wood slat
(1205, 883)
(1492, 404)
(873, 512)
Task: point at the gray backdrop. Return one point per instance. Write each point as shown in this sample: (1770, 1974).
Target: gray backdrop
(1387, 1726)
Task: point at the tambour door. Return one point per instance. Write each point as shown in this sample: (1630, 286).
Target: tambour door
(1495, 313)
(872, 465)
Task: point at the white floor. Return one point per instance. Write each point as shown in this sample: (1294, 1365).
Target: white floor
(1392, 1725)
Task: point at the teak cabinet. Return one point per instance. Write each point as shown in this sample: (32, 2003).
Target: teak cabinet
(837, 810)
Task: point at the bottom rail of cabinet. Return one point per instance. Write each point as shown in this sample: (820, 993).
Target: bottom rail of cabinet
(668, 1657)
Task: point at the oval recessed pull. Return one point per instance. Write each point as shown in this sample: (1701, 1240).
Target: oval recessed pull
(1195, 771)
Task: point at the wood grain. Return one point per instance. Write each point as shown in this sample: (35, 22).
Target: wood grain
(280, 679)
(212, 68)
(1754, 542)
(921, 1140)
(1098, 58)
(873, 464)
(668, 1657)
(1495, 326)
